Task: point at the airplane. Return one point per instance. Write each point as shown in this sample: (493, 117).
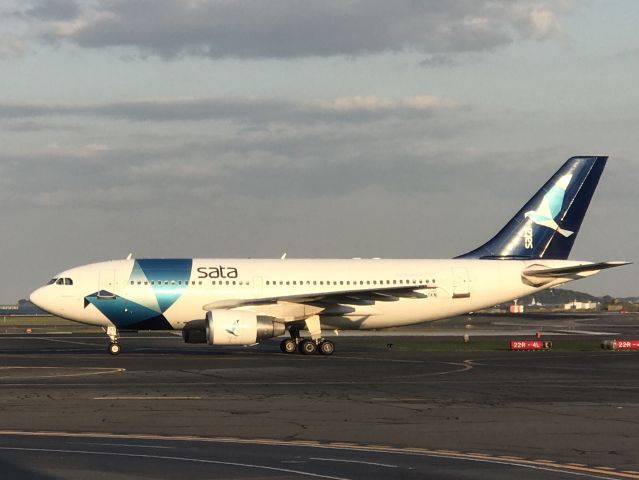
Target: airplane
(245, 301)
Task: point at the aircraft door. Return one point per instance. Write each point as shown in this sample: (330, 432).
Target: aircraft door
(461, 283)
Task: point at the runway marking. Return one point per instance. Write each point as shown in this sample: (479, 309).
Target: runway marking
(179, 459)
(100, 371)
(120, 445)
(145, 397)
(69, 341)
(466, 365)
(51, 339)
(371, 359)
(354, 461)
(544, 465)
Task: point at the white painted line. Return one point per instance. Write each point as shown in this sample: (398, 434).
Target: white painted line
(388, 465)
(145, 397)
(567, 468)
(100, 444)
(72, 342)
(92, 371)
(179, 459)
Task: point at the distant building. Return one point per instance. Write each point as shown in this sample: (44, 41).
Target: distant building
(575, 305)
(24, 307)
(535, 303)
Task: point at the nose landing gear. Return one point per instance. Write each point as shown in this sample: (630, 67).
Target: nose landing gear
(114, 346)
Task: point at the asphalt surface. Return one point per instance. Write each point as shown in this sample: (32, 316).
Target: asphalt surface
(257, 413)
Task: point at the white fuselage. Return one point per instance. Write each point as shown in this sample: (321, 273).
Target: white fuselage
(452, 287)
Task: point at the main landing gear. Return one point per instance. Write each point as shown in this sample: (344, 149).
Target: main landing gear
(114, 346)
(308, 346)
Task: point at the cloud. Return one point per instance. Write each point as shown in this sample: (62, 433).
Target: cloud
(244, 109)
(11, 47)
(283, 159)
(293, 29)
(57, 10)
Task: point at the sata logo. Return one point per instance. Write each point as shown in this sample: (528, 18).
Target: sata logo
(217, 272)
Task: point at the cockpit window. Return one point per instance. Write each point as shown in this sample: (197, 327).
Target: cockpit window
(61, 281)
(68, 281)
(52, 281)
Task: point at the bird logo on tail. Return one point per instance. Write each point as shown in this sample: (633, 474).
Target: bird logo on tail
(550, 206)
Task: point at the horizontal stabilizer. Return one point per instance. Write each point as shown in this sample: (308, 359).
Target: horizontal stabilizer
(539, 275)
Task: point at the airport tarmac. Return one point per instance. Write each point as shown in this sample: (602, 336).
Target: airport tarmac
(163, 407)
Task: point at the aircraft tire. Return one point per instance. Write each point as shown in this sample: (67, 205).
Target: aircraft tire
(114, 348)
(308, 347)
(326, 347)
(288, 345)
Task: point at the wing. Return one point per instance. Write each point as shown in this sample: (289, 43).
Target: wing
(288, 308)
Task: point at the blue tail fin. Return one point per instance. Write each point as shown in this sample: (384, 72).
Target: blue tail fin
(547, 225)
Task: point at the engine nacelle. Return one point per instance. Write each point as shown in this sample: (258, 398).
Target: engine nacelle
(239, 327)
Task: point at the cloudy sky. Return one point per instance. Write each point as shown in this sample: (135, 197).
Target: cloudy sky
(328, 128)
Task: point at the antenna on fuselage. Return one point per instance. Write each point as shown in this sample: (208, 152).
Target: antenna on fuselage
(129, 256)
(283, 257)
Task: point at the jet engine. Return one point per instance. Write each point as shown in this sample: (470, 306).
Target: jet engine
(239, 327)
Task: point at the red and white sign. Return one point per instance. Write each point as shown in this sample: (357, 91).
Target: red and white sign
(530, 345)
(625, 344)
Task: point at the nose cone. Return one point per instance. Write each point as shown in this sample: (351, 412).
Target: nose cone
(39, 298)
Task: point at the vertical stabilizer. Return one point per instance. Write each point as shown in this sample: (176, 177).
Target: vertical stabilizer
(546, 227)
